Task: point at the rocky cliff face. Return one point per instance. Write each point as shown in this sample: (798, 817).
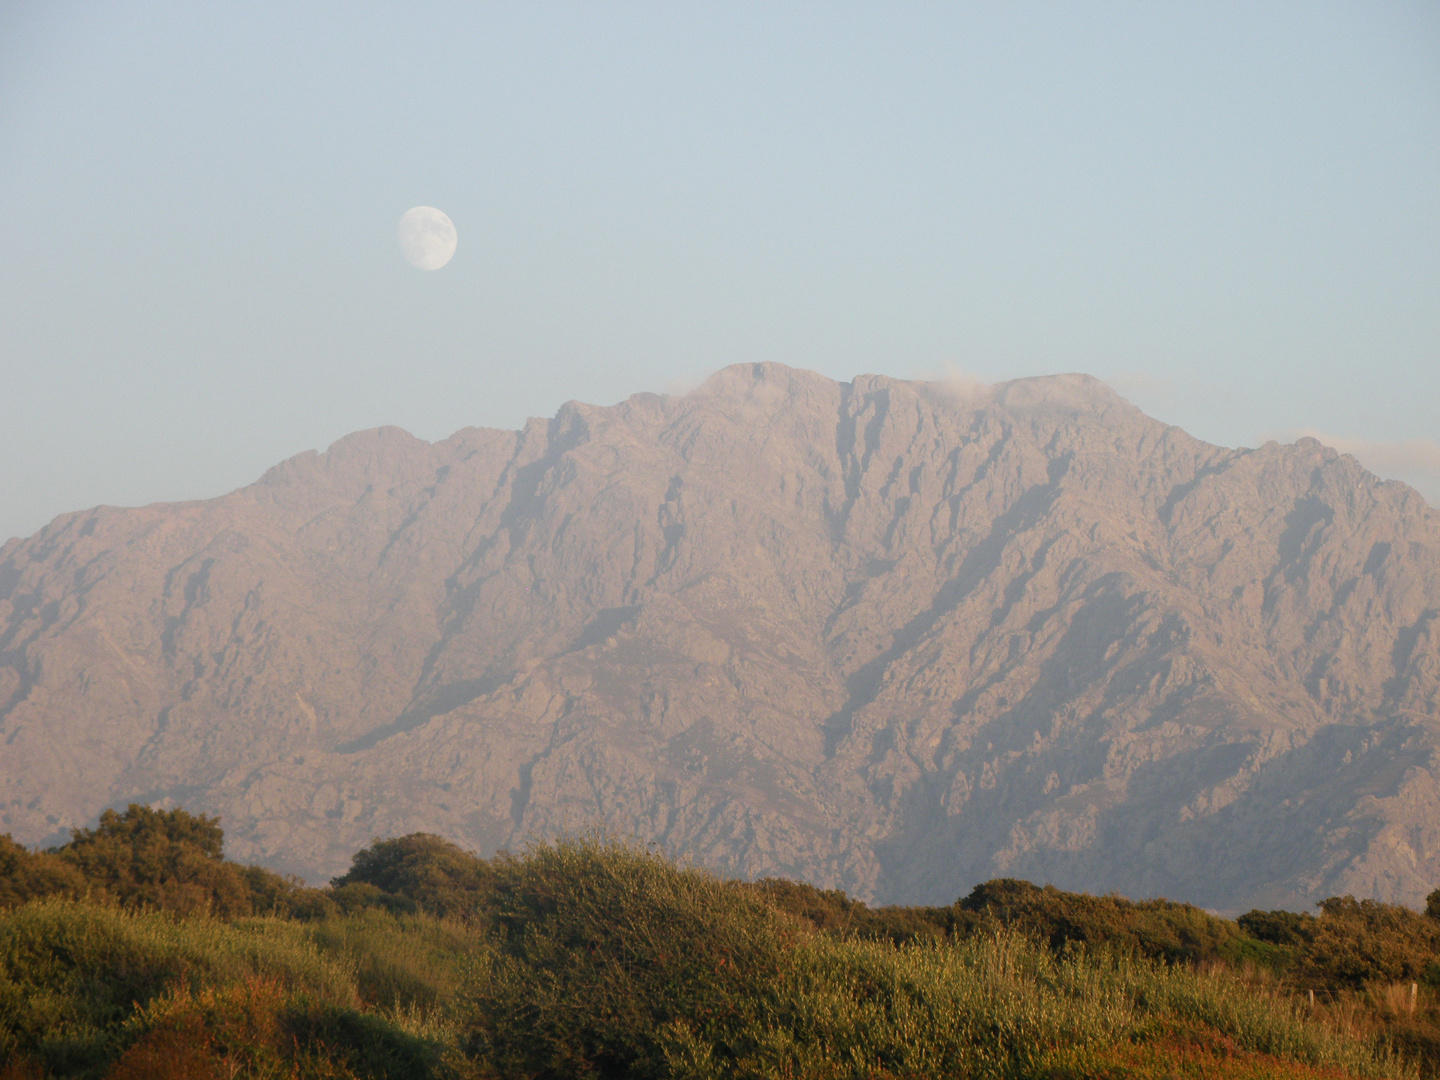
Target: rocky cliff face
(881, 635)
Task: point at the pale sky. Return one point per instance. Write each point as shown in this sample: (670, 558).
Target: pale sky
(1231, 211)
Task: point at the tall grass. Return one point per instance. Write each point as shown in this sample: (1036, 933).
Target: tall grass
(1001, 1007)
(614, 963)
(409, 964)
(593, 959)
(86, 990)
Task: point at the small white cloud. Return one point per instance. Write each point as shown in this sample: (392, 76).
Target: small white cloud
(684, 385)
(1164, 393)
(1415, 461)
(1141, 384)
(956, 384)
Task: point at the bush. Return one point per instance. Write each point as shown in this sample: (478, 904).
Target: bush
(162, 858)
(832, 912)
(1159, 929)
(26, 875)
(1242, 952)
(73, 975)
(1293, 928)
(269, 893)
(440, 877)
(1360, 941)
(611, 962)
(165, 859)
(1351, 943)
(602, 949)
(592, 958)
(360, 896)
(406, 962)
(258, 1028)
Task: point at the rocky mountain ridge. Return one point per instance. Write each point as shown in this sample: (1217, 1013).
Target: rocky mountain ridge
(891, 636)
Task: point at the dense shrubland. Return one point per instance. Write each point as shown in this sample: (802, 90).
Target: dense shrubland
(137, 950)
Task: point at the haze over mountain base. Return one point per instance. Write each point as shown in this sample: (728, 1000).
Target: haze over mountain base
(888, 636)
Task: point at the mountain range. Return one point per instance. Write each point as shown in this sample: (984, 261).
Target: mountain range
(894, 637)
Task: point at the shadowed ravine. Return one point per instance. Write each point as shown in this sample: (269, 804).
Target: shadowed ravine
(882, 635)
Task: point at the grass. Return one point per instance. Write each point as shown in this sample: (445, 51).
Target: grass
(594, 959)
(611, 962)
(409, 964)
(88, 989)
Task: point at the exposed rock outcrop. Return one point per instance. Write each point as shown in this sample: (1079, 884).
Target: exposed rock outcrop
(883, 635)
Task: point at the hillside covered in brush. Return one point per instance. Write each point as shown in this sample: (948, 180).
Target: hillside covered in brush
(137, 950)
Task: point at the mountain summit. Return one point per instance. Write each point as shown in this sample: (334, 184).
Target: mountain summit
(891, 636)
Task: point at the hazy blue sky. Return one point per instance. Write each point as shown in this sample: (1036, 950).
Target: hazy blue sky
(1231, 211)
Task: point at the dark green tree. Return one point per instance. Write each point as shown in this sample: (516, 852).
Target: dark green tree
(169, 859)
(30, 875)
(441, 877)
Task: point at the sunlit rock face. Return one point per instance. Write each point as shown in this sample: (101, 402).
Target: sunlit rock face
(890, 636)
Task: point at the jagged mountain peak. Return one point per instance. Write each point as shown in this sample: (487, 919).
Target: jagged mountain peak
(889, 635)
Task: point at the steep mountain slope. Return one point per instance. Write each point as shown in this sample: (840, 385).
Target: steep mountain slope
(883, 635)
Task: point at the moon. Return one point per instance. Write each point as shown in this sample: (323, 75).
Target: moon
(427, 237)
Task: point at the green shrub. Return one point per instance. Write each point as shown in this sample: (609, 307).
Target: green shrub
(601, 949)
(269, 893)
(166, 859)
(832, 912)
(827, 910)
(438, 876)
(592, 958)
(72, 975)
(1242, 951)
(360, 896)
(1351, 943)
(400, 963)
(610, 962)
(161, 858)
(27, 875)
(1291, 928)
(259, 1028)
(1160, 929)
